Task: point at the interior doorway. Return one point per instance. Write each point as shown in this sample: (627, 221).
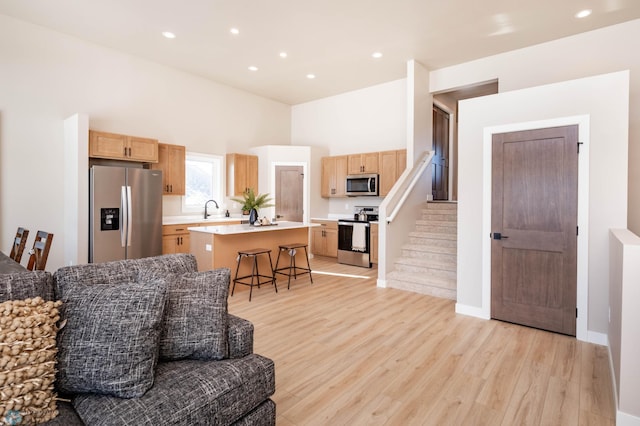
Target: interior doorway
(448, 102)
(289, 193)
(534, 217)
(440, 162)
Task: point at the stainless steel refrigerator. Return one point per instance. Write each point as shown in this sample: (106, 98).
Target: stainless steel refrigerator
(125, 213)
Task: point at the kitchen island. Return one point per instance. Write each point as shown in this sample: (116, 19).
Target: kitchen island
(218, 246)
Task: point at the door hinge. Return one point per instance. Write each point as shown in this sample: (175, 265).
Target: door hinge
(577, 230)
(579, 143)
(576, 312)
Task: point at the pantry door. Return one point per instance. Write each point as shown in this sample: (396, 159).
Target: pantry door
(289, 193)
(534, 228)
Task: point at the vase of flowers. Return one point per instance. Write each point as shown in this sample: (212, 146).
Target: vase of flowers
(252, 203)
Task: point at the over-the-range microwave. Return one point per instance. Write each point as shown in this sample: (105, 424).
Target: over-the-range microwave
(358, 185)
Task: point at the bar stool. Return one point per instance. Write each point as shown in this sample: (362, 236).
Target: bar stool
(255, 274)
(292, 268)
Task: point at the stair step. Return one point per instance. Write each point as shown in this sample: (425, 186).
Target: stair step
(437, 269)
(442, 205)
(449, 224)
(433, 242)
(446, 217)
(437, 229)
(440, 254)
(434, 236)
(423, 284)
(431, 248)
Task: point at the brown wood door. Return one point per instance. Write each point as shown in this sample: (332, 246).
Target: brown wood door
(534, 209)
(440, 171)
(289, 193)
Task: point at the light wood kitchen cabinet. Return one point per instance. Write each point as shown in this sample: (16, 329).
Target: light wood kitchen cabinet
(363, 163)
(324, 238)
(242, 174)
(373, 238)
(391, 166)
(334, 176)
(171, 160)
(122, 147)
(175, 238)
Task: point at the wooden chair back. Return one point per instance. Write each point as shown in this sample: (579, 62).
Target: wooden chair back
(40, 251)
(19, 243)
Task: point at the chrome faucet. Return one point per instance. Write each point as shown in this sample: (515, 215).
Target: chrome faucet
(206, 215)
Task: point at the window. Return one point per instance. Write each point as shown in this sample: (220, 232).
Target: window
(203, 174)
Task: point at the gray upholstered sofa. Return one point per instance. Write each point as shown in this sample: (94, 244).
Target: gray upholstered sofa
(190, 364)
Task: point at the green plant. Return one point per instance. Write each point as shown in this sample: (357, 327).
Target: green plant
(250, 200)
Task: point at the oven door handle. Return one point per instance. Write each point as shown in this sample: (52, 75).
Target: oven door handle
(366, 224)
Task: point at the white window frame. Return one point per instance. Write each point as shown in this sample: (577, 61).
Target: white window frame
(216, 184)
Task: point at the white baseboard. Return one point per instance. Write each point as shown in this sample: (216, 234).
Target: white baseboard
(472, 311)
(624, 419)
(597, 338)
(382, 283)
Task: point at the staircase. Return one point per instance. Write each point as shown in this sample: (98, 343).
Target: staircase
(429, 260)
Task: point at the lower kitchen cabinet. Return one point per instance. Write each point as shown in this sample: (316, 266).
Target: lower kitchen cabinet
(324, 238)
(374, 242)
(175, 238)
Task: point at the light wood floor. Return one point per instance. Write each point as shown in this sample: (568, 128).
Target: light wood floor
(349, 353)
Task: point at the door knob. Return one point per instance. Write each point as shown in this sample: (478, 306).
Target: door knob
(499, 236)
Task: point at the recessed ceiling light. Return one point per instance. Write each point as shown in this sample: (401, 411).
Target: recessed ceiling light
(311, 76)
(376, 55)
(283, 54)
(234, 31)
(168, 34)
(583, 13)
(253, 68)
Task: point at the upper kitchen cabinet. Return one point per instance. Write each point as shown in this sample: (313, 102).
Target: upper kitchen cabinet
(171, 160)
(334, 175)
(122, 147)
(242, 174)
(391, 165)
(363, 163)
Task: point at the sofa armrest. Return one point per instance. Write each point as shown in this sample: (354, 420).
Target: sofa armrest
(240, 337)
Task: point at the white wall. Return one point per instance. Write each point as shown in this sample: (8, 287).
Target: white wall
(366, 120)
(596, 52)
(46, 77)
(624, 339)
(606, 182)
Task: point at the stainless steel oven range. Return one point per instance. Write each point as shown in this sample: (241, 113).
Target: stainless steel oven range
(354, 237)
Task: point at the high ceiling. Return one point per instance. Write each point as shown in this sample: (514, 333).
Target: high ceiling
(331, 39)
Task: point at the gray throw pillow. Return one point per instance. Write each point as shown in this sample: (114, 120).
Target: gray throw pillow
(195, 323)
(109, 344)
(28, 284)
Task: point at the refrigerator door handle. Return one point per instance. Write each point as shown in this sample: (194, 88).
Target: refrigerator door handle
(123, 219)
(129, 216)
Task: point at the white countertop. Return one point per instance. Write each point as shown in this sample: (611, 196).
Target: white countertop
(246, 229)
(178, 220)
